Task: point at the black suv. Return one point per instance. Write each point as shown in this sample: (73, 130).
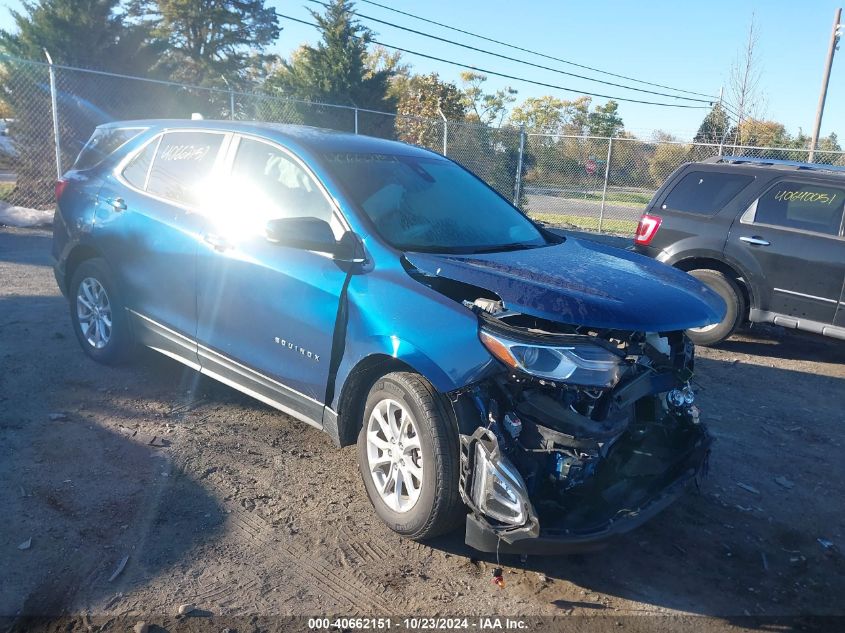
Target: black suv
(767, 235)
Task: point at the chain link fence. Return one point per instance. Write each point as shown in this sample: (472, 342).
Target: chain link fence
(586, 182)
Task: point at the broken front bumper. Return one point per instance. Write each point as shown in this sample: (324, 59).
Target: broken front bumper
(488, 534)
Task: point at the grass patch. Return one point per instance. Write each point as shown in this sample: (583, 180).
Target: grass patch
(5, 189)
(609, 225)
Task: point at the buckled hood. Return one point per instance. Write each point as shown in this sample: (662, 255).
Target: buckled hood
(584, 283)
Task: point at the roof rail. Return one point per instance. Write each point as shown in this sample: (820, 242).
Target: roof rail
(774, 162)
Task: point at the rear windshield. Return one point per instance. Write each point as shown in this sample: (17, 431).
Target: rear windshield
(103, 142)
(705, 192)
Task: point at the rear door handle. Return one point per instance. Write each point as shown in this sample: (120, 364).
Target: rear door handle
(216, 242)
(118, 204)
(756, 241)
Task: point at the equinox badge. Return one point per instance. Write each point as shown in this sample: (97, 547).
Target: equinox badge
(297, 348)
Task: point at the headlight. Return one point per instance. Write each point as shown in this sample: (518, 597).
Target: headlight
(497, 488)
(585, 364)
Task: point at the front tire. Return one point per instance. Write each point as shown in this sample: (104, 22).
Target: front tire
(98, 314)
(734, 299)
(408, 454)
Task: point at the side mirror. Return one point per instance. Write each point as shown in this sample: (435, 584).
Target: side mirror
(309, 234)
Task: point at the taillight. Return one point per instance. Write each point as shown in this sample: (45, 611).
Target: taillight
(61, 183)
(647, 229)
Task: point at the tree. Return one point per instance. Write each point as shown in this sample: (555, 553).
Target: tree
(379, 60)
(714, 127)
(206, 40)
(744, 88)
(336, 70)
(420, 107)
(604, 120)
(550, 115)
(668, 156)
(487, 108)
(87, 33)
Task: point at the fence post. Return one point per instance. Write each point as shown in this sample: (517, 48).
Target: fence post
(231, 105)
(445, 129)
(606, 178)
(356, 120)
(517, 189)
(55, 108)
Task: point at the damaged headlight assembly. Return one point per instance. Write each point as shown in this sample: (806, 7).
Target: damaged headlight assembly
(580, 363)
(497, 488)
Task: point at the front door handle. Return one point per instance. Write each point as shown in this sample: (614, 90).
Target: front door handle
(216, 242)
(118, 204)
(755, 241)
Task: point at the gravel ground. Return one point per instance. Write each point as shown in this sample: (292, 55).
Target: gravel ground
(129, 491)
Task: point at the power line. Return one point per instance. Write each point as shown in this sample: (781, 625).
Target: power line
(520, 61)
(506, 76)
(527, 50)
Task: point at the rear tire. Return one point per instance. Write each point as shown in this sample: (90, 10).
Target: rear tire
(734, 299)
(430, 504)
(98, 313)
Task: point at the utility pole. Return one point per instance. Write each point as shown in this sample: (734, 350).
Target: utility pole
(834, 40)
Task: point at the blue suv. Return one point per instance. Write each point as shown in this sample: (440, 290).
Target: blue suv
(533, 387)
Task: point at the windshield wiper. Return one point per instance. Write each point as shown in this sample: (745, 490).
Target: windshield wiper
(503, 248)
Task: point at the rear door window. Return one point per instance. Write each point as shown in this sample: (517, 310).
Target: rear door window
(182, 165)
(705, 192)
(803, 206)
(103, 142)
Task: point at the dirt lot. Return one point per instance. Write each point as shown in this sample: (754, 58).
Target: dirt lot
(220, 501)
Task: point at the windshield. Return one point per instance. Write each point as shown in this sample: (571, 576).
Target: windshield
(431, 204)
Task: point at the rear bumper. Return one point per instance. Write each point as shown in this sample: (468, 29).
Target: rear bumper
(59, 274)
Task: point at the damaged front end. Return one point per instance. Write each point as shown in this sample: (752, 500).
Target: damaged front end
(585, 433)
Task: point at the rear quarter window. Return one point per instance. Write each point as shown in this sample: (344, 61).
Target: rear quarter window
(103, 143)
(705, 192)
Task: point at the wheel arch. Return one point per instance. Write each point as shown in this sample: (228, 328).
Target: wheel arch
(79, 254)
(356, 387)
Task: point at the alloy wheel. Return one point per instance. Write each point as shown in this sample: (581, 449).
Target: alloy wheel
(93, 310)
(394, 455)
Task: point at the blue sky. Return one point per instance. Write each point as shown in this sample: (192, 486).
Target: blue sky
(688, 45)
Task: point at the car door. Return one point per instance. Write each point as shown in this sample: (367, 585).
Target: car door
(267, 312)
(790, 240)
(145, 209)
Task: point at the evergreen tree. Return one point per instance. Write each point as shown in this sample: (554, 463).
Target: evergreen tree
(714, 128)
(206, 40)
(87, 33)
(336, 70)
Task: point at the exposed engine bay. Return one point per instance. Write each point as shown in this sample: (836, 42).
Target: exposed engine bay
(585, 428)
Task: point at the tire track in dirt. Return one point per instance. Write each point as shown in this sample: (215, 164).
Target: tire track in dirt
(343, 587)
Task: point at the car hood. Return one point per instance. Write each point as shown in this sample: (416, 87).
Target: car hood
(579, 282)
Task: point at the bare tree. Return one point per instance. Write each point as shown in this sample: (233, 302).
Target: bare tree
(744, 83)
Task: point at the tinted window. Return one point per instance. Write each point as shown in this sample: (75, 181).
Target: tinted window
(136, 171)
(705, 192)
(805, 206)
(102, 143)
(431, 204)
(276, 185)
(183, 161)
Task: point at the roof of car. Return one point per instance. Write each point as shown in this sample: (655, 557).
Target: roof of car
(774, 163)
(316, 139)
